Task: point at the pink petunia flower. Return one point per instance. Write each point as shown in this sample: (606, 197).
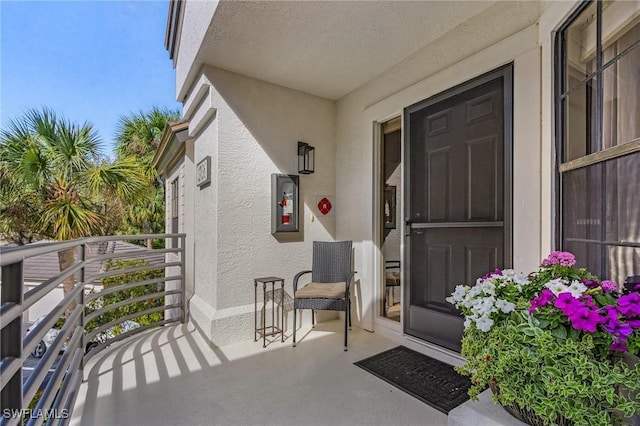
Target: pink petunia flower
(618, 346)
(615, 327)
(634, 323)
(590, 283)
(585, 319)
(488, 275)
(543, 299)
(568, 304)
(629, 305)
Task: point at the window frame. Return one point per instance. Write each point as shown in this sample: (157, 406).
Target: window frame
(174, 213)
(600, 156)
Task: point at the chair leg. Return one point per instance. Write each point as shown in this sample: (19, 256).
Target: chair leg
(294, 326)
(349, 308)
(346, 328)
(313, 318)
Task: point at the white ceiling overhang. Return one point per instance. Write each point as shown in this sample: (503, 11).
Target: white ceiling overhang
(326, 48)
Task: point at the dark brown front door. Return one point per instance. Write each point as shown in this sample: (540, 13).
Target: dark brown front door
(458, 222)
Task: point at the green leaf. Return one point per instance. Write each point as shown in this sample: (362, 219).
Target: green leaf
(543, 323)
(552, 371)
(559, 333)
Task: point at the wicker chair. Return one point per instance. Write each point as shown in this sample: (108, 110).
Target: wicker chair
(331, 276)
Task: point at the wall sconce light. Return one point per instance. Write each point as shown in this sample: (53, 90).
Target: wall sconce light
(306, 158)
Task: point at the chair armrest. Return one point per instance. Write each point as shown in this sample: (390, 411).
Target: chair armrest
(295, 280)
(348, 282)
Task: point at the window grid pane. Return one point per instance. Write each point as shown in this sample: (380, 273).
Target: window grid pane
(599, 108)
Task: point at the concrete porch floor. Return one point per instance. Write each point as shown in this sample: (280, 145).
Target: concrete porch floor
(170, 376)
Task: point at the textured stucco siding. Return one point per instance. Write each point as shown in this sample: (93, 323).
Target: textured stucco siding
(195, 25)
(253, 133)
(256, 126)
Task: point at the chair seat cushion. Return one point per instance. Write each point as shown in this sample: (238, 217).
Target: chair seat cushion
(392, 278)
(321, 291)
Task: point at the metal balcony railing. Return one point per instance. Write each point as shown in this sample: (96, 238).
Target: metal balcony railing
(56, 402)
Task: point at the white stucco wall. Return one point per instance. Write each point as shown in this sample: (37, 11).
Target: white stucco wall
(253, 133)
(195, 24)
(255, 127)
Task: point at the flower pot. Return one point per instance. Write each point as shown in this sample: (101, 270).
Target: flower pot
(631, 361)
(526, 415)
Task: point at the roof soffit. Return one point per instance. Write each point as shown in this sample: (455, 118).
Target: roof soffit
(326, 48)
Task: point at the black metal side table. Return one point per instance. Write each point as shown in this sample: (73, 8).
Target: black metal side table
(275, 328)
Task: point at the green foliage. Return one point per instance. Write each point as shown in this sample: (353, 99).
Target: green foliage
(552, 375)
(54, 182)
(127, 294)
(558, 352)
(137, 137)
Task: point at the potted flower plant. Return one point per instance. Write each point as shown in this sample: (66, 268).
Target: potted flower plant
(555, 346)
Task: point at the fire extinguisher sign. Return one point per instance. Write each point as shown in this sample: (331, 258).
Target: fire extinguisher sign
(324, 203)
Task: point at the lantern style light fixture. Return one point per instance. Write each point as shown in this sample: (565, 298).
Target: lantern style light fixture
(306, 158)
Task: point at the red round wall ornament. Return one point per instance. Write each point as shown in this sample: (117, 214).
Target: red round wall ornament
(324, 206)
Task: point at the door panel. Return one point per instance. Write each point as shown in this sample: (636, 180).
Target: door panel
(455, 199)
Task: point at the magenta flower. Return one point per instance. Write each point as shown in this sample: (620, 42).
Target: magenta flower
(543, 299)
(634, 323)
(608, 285)
(611, 313)
(562, 258)
(629, 305)
(618, 346)
(585, 319)
(590, 283)
(488, 275)
(588, 301)
(622, 331)
(568, 304)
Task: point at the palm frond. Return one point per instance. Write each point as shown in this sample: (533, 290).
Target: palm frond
(74, 147)
(125, 177)
(139, 133)
(70, 220)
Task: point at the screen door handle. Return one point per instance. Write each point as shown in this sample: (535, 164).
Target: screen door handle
(407, 226)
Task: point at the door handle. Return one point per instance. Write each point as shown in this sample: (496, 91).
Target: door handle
(407, 226)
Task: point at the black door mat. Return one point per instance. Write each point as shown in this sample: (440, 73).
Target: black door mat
(431, 381)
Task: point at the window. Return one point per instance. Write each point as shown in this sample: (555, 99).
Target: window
(174, 211)
(598, 136)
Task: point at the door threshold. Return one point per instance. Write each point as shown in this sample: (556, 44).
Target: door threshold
(386, 328)
(444, 354)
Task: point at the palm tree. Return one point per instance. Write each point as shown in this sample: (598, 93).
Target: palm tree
(54, 169)
(138, 135)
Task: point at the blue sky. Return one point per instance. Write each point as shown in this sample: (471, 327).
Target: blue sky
(88, 60)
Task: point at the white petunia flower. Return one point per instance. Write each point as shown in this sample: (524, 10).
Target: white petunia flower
(474, 291)
(557, 286)
(484, 323)
(488, 287)
(505, 306)
(508, 274)
(458, 295)
(521, 279)
(467, 322)
(576, 289)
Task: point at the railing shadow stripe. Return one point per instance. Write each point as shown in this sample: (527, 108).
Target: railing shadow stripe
(64, 384)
